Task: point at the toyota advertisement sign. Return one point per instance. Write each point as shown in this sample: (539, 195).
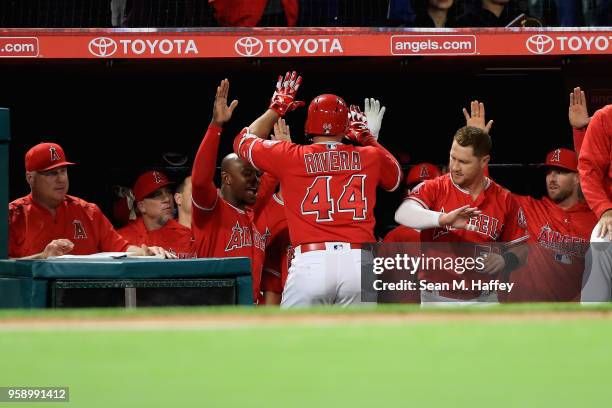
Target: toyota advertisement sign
(338, 42)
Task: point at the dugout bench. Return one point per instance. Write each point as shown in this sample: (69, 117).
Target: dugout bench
(125, 283)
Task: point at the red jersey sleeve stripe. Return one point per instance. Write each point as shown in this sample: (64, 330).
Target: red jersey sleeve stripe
(399, 177)
(250, 156)
(517, 241)
(425, 206)
(204, 208)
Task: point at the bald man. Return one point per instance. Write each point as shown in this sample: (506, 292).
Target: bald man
(225, 221)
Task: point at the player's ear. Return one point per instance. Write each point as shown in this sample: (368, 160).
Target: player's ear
(29, 178)
(484, 160)
(140, 207)
(178, 198)
(226, 178)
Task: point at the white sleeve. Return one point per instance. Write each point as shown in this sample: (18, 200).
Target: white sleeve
(413, 215)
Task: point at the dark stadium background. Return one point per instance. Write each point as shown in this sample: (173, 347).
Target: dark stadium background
(115, 118)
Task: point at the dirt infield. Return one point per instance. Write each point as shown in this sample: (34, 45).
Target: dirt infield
(216, 321)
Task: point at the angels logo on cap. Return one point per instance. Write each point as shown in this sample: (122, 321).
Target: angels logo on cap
(563, 158)
(421, 172)
(148, 183)
(157, 177)
(424, 172)
(54, 155)
(45, 156)
(556, 157)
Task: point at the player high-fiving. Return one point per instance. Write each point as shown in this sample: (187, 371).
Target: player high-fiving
(329, 192)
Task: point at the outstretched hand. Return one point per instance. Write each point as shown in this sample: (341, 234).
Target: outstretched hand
(374, 114)
(283, 100)
(578, 113)
(460, 218)
(476, 116)
(358, 125)
(281, 131)
(222, 113)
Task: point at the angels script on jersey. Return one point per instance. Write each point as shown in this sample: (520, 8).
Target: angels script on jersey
(485, 225)
(333, 160)
(551, 239)
(242, 236)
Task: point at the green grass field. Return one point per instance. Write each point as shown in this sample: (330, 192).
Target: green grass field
(548, 361)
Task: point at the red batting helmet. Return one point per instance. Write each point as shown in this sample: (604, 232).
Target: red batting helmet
(327, 116)
(421, 172)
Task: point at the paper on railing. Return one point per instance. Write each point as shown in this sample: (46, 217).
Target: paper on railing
(99, 255)
(105, 255)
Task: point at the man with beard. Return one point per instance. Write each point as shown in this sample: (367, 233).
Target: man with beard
(225, 221)
(156, 224)
(48, 222)
(560, 224)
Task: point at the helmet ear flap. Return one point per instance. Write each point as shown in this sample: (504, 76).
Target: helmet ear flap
(327, 116)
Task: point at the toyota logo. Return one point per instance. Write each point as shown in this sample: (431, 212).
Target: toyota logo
(540, 44)
(102, 47)
(248, 46)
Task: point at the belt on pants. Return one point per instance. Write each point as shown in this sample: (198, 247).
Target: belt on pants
(321, 246)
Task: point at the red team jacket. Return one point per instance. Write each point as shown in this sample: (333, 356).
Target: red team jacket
(173, 237)
(556, 260)
(501, 220)
(32, 227)
(594, 162)
(220, 229)
(329, 189)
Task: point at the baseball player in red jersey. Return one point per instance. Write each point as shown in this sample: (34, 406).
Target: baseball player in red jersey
(49, 222)
(559, 225)
(417, 174)
(224, 221)
(466, 206)
(156, 224)
(329, 191)
(595, 167)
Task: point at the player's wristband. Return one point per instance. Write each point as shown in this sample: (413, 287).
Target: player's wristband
(511, 260)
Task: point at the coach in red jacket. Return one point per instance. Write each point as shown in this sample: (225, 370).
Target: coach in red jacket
(596, 178)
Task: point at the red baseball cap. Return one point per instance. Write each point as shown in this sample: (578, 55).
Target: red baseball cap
(148, 183)
(45, 156)
(563, 158)
(421, 172)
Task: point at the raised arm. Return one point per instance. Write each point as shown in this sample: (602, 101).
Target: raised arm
(204, 194)
(476, 116)
(360, 133)
(578, 117)
(283, 101)
(247, 143)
